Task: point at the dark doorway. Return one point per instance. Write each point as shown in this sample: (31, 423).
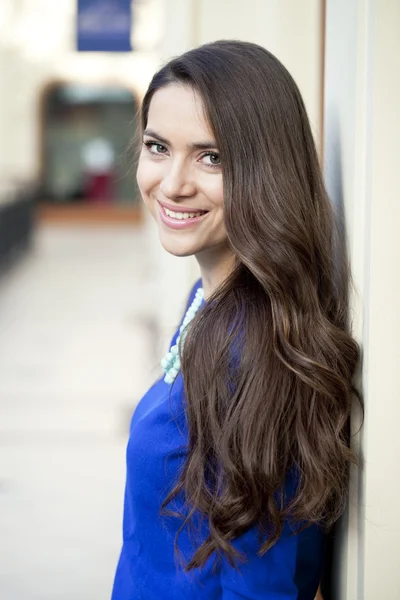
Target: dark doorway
(87, 131)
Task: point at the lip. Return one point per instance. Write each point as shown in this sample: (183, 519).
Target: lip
(179, 224)
(180, 208)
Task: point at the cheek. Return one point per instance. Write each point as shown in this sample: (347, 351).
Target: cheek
(146, 176)
(216, 193)
(211, 186)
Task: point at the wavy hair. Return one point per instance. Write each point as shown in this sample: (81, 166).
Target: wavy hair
(268, 364)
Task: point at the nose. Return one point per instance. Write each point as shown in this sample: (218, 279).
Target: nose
(177, 181)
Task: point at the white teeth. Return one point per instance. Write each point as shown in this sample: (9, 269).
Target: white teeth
(180, 215)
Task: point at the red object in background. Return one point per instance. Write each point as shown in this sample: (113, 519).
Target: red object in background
(99, 188)
(98, 157)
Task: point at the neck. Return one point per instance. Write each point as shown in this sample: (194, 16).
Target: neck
(215, 269)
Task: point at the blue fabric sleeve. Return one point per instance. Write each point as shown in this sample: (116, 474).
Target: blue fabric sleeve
(290, 570)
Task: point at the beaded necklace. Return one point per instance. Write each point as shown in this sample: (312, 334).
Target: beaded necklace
(171, 362)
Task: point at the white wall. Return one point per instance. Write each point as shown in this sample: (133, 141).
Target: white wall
(290, 30)
(362, 132)
(381, 437)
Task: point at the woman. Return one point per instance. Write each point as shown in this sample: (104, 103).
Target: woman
(238, 457)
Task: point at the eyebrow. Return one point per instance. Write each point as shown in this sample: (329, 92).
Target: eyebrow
(195, 146)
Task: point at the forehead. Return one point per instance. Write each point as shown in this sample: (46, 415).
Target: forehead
(178, 111)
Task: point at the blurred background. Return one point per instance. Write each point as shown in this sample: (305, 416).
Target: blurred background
(88, 299)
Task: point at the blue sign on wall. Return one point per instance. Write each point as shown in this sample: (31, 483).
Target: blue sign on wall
(104, 25)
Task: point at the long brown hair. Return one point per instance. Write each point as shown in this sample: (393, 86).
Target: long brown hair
(268, 364)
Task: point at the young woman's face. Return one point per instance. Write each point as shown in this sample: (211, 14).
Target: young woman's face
(180, 175)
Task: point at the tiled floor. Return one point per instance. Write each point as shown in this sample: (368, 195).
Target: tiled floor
(77, 349)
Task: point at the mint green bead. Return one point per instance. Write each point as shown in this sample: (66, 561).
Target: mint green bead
(171, 363)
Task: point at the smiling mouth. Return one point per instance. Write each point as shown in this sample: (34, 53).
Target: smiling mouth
(181, 216)
(181, 219)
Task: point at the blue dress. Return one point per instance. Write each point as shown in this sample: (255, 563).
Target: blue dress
(147, 569)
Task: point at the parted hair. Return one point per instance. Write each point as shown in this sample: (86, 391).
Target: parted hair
(268, 363)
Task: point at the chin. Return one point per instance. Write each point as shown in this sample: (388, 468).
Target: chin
(178, 245)
(176, 250)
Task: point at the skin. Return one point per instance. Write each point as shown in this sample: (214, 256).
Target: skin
(179, 166)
